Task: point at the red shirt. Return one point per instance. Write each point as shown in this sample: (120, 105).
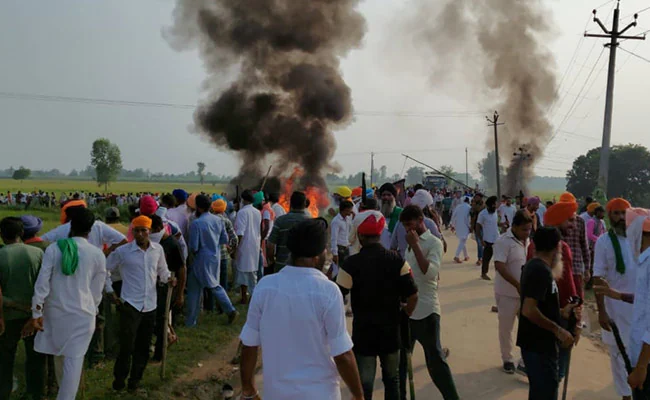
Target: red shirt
(566, 287)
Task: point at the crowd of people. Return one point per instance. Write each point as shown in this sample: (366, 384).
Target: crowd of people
(90, 288)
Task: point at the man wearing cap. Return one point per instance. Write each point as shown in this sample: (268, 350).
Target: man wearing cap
(247, 227)
(277, 251)
(180, 214)
(299, 309)
(576, 237)
(19, 267)
(207, 235)
(141, 262)
(378, 280)
(219, 209)
(425, 254)
(65, 302)
(613, 262)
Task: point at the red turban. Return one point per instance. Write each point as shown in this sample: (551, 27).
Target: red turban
(356, 192)
(372, 225)
(559, 212)
(567, 197)
(71, 203)
(618, 204)
(148, 205)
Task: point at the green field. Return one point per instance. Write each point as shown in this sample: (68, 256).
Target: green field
(72, 185)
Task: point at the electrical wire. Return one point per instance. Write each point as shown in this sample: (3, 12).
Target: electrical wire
(635, 55)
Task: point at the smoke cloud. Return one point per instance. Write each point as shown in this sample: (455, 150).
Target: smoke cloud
(497, 48)
(288, 95)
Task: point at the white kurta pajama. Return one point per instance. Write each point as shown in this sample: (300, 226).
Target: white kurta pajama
(618, 311)
(460, 220)
(68, 305)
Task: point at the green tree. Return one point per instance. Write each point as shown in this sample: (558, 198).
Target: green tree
(105, 157)
(449, 171)
(629, 174)
(21, 173)
(488, 174)
(200, 169)
(414, 175)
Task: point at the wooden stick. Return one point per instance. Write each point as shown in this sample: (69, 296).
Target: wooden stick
(168, 303)
(266, 177)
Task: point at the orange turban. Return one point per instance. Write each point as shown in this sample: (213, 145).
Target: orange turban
(191, 201)
(567, 197)
(71, 203)
(559, 212)
(356, 192)
(618, 204)
(141, 222)
(219, 206)
(592, 207)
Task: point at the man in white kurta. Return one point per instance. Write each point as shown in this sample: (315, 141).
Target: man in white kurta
(460, 222)
(65, 306)
(621, 279)
(247, 228)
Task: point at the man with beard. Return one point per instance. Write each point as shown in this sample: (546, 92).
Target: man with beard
(613, 263)
(576, 237)
(487, 232)
(477, 206)
(540, 321)
(298, 308)
(532, 205)
(390, 211)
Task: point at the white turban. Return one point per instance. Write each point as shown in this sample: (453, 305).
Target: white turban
(422, 199)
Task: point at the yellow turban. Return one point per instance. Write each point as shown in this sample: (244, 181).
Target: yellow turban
(559, 212)
(141, 222)
(567, 197)
(218, 206)
(344, 191)
(591, 208)
(618, 204)
(191, 201)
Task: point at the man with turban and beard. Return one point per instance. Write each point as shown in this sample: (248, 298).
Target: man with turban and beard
(614, 264)
(576, 237)
(378, 280)
(562, 216)
(299, 309)
(460, 224)
(389, 210)
(532, 205)
(542, 320)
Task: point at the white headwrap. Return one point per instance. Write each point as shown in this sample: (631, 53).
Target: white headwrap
(422, 199)
(636, 217)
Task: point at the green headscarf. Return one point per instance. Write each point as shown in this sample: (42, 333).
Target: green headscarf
(258, 199)
(620, 264)
(69, 256)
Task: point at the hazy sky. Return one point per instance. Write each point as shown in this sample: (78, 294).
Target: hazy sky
(114, 50)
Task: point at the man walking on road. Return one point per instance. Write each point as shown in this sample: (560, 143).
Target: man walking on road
(340, 230)
(299, 309)
(576, 238)
(509, 258)
(247, 228)
(460, 223)
(424, 255)
(378, 280)
(487, 232)
(613, 262)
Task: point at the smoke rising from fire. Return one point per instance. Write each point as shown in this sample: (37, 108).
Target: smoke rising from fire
(497, 48)
(288, 95)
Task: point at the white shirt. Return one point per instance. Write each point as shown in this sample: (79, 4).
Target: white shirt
(301, 310)
(427, 284)
(512, 252)
(100, 234)
(507, 211)
(605, 267)
(541, 211)
(139, 269)
(460, 220)
(490, 225)
(340, 232)
(640, 331)
(585, 216)
(181, 216)
(266, 216)
(278, 210)
(68, 304)
(248, 224)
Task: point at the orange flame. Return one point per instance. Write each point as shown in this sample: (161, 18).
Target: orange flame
(317, 197)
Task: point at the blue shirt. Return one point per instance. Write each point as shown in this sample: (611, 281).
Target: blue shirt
(207, 234)
(398, 240)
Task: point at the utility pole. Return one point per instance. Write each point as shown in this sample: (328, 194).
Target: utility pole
(372, 167)
(614, 35)
(466, 169)
(494, 122)
(523, 155)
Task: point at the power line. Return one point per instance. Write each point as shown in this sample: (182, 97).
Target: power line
(635, 55)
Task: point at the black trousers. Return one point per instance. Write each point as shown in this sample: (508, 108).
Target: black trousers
(34, 364)
(136, 331)
(488, 252)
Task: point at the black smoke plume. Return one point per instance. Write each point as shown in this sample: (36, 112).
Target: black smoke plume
(288, 94)
(498, 49)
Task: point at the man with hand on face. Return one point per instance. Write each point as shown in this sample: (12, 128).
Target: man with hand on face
(298, 308)
(140, 263)
(540, 320)
(424, 255)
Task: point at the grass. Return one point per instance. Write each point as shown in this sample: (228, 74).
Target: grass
(69, 185)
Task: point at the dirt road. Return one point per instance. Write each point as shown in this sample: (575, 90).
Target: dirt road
(469, 329)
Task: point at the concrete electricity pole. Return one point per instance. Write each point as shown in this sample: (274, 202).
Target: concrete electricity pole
(613, 35)
(494, 122)
(372, 167)
(466, 169)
